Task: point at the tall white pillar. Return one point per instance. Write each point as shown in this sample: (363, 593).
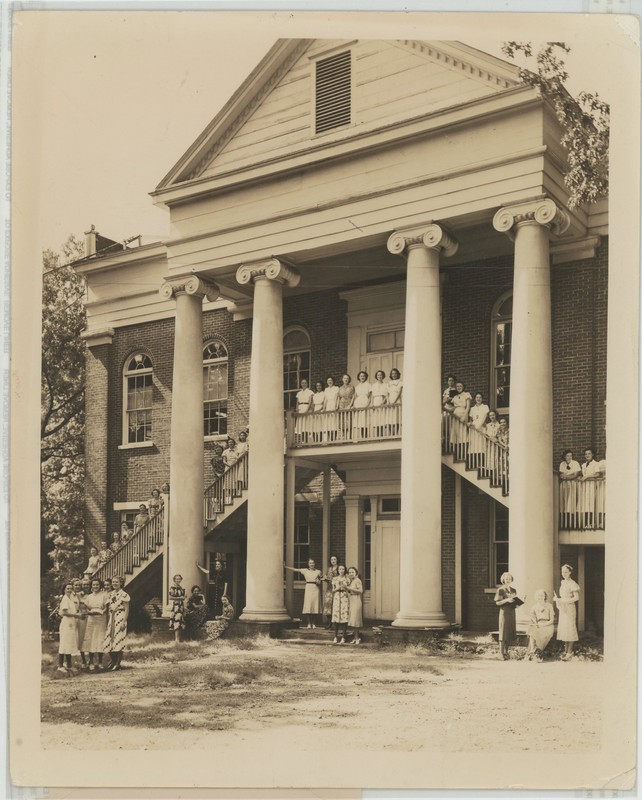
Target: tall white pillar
(420, 596)
(532, 506)
(264, 591)
(186, 432)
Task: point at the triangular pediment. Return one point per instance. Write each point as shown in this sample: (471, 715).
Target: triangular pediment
(271, 116)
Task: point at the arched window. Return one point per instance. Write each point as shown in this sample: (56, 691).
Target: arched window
(138, 388)
(296, 363)
(500, 348)
(215, 388)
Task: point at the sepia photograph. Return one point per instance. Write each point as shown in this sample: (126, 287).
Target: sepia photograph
(332, 323)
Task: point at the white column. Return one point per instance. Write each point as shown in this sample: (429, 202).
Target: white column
(186, 432)
(532, 504)
(264, 592)
(420, 596)
(353, 553)
(327, 510)
(290, 511)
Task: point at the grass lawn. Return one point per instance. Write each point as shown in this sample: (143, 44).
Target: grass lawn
(226, 693)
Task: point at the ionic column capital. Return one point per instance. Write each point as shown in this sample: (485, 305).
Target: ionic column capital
(191, 285)
(431, 236)
(543, 212)
(270, 269)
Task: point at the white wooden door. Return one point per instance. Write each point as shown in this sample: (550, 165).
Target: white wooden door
(386, 569)
(384, 361)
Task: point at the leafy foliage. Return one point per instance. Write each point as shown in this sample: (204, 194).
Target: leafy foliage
(585, 120)
(62, 471)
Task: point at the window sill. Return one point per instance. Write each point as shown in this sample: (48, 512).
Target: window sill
(220, 437)
(135, 445)
(490, 591)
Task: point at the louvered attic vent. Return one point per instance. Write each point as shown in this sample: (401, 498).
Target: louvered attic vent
(334, 92)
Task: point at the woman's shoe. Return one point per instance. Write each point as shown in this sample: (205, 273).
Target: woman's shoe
(336, 641)
(357, 641)
(343, 641)
(62, 669)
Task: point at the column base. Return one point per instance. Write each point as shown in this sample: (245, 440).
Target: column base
(414, 621)
(240, 628)
(266, 616)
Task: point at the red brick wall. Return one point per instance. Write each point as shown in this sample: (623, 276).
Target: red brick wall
(96, 434)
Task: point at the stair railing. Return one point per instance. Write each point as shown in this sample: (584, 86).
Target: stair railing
(582, 505)
(225, 489)
(145, 541)
(479, 451)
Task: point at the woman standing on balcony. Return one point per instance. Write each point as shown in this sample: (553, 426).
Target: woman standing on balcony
(327, 597)
(318, 406)
(449, 392)
(461, 409)
(379, 399)
(567, 608)
(478, 415)
(346, 399)
(395, 386)
(155, 502)
(362, 398)
(586, 489)
(311, 595)
(569, 471)
(116, 624)
(303, 407)
(331, 404)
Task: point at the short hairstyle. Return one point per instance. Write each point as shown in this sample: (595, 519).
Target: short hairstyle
(345, 375)
(566, 452)
(568, 567)
(394, 369)
(355, 570)
(195, 589)
(506, 575)
(542, 591)
(362, 372)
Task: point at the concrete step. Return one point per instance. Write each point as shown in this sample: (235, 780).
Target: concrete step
(320, 635)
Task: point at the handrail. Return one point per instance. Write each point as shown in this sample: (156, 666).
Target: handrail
(225, 489)
(582, 505)
(478, 450)
(145, 541)
(353, 425)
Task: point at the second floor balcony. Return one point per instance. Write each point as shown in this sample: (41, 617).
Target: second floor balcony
(351, 426)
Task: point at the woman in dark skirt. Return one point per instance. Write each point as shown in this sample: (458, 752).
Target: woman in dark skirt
(196, 613)
(507, 600)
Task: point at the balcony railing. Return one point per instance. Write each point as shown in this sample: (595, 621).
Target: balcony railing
(225, 489)
(137, 549)
(582, 505)
(479, 451)
(351, 425)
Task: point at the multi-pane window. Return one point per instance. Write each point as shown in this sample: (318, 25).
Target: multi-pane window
(499, 534)
(367, 556)
(139, 391)
(502, 333)
(333, 100)
(301, 536)
(296, 364)
(215, 362)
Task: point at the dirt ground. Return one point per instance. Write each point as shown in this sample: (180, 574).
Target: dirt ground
(321, 697)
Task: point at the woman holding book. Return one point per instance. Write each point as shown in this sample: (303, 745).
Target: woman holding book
(507, 600)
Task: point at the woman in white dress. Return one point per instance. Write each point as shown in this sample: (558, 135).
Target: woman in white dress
(312, 593)
(477, 442)
(586, 490)
(461, 409)
(331, 404)
(567, 607)
(395, 388)
(379, 400)
(69, 610)
(96, 605)
(449, 392)
(569, 471)
(318, 407)
(362, 397)
(303, 407)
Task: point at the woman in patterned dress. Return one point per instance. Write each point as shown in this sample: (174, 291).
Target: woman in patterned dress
(116, 634)
(506, 598)
(177, 607)
(92, 643)
(311, 596)
(327, 596)
(355, 618)
(155, 502)
(346, 399)
(215, 629)
(196, 613)
(567, 607)
(340, 604)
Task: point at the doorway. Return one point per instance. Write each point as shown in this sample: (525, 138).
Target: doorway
(385, 569)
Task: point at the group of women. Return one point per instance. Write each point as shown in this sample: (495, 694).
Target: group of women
(475, 417)
(93, 621)
(542, 617)
(329, 399)
(579, 490)
(342, 598)
(189, 617)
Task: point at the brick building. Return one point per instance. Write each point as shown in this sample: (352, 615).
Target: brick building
(358, 206)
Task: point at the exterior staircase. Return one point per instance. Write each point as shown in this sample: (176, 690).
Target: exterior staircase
(225, 494)
(478, 458)
(144, 547)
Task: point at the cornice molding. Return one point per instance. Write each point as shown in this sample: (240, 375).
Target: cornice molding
(94, 338)
(270, 269)
(191, 285)
(431, 235)
(543, 212)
